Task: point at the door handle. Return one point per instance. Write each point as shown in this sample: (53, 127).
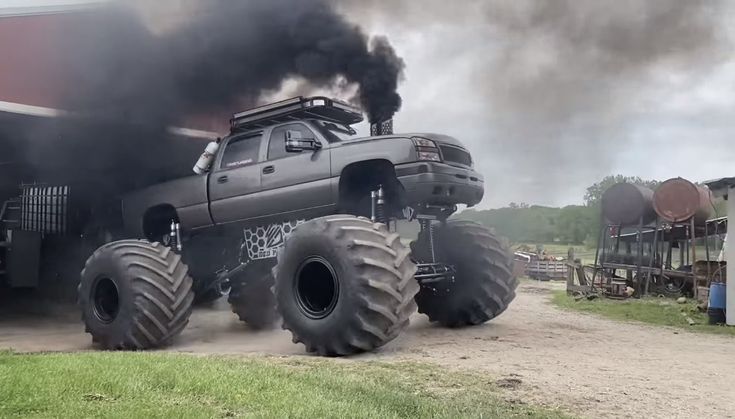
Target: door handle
(268, 170)
(222, 179)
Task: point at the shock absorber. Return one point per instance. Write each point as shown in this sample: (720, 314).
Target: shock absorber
(172, 234)
(377, 198)
(432, 240)
(380, 206)
(373, 205)
(175, 236)
(427, 225)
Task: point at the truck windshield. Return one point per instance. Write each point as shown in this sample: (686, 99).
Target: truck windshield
(335, 132)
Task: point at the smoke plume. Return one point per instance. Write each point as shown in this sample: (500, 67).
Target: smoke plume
(127, 82)
(227, 54)
(564, 59)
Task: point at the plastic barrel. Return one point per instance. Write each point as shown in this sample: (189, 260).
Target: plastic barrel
(717, 297)
(717, 302)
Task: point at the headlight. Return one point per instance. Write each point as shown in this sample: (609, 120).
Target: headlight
(423, 142)
(429, 156)
(426, 150)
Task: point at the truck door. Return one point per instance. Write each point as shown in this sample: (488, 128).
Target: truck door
(234, 182)
(295, 184)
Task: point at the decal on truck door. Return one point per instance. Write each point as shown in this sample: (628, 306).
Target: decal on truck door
(263, 242)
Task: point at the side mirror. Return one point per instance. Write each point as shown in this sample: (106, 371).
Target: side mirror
(295, 143)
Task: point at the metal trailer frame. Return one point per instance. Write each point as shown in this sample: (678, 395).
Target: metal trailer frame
(661, 239)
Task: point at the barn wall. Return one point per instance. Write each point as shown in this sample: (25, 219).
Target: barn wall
(36, 53)
(31, 70)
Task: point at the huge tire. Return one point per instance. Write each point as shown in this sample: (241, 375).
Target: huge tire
(251, 296)
(135, 295)
(483, 285)
(344, 285)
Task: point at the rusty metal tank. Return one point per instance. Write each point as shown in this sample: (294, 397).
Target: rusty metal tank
(678, 200)
(626, 203)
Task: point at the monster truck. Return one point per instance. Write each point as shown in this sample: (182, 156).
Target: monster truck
(298, 216)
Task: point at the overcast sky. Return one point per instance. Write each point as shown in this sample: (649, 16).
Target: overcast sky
(552, 96)
(668, 113)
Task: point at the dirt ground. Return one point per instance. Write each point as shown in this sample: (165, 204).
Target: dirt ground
(538, 354)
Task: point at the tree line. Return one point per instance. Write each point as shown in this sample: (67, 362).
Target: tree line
(573, 224)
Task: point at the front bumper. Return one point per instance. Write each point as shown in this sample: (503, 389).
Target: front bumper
(440, 184)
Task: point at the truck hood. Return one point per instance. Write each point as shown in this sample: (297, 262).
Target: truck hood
(440, 139)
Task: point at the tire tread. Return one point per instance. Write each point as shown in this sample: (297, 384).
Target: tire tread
(386, 291)
(489, 282)
(162, 295)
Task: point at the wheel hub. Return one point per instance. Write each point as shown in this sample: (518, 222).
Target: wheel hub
(316, 287)
(106, 299)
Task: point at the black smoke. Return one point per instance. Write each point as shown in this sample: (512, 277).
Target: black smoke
(226, 54)
(127, 82)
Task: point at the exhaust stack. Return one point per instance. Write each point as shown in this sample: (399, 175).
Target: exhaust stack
(382, 128)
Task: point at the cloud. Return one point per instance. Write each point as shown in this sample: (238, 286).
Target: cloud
(552, 96)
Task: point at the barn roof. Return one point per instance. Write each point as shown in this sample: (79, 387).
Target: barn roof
(720, 187)
(45, 7)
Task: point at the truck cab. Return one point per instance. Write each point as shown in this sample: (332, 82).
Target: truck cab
(300, 159)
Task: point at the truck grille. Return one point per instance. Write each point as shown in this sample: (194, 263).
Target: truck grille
(456, 155)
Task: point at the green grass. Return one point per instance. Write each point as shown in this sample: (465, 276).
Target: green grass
(130, 385)
(656, 311)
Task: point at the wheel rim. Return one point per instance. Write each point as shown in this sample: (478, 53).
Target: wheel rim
(106, 299)
(316, 287)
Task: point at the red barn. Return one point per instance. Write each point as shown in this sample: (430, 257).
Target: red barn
(32, 49)
(35, 82)
(34, 79)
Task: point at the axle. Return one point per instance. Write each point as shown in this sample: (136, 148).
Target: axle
(427, 273)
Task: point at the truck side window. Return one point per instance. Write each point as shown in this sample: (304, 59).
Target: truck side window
(277, 145)
(241, 151)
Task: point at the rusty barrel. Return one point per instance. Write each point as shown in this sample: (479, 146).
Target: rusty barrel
(626, 203)
(678, 200)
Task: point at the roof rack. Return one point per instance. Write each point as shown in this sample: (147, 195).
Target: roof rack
(295, 109)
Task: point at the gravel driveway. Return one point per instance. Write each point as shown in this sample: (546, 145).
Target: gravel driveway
(538, 354)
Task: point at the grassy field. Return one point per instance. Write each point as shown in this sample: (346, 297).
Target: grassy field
(130, 385)
(657, 311)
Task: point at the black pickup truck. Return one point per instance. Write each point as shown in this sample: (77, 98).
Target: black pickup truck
(292, 210)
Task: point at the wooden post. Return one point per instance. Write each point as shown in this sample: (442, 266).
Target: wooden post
(600, 244)
(581, 275)
(570, 268)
